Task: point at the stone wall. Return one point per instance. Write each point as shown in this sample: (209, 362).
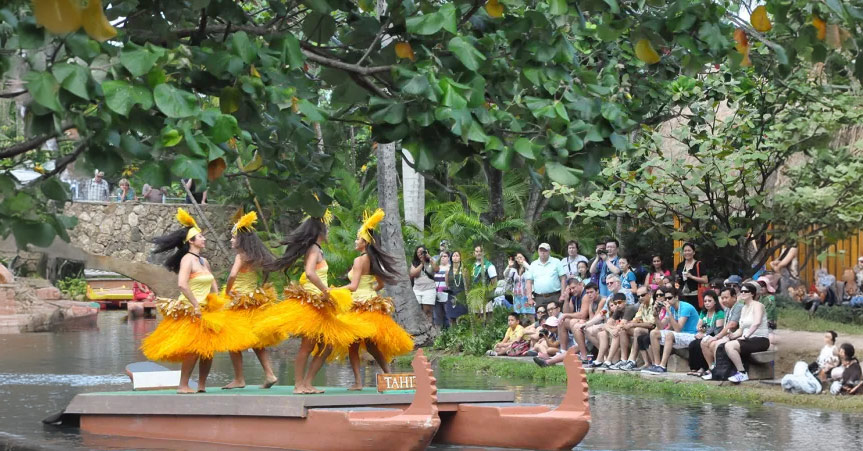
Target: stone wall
(124, 230)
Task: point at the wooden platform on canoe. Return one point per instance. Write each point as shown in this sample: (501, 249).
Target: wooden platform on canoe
(278, 401)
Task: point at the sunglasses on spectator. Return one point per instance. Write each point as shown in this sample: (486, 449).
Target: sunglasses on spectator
(643, 295)
(746, 291)
(540, 311)
(668, 298)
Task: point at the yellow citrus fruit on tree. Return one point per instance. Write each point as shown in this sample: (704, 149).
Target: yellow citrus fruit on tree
(404, 50)
(494, 8)
(644, 51)
(821, 26)
(759, 19)
(95, 23)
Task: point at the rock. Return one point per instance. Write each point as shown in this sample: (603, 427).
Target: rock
(6, 275)
(49, 294)
(132, 220)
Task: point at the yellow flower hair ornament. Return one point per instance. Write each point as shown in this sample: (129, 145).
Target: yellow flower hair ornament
(246, 223)
(186, 220)
(369, 224)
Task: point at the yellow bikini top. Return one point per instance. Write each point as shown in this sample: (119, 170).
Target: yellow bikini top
(199, 283)
(366, 288)
(246, 282)
(321, 271)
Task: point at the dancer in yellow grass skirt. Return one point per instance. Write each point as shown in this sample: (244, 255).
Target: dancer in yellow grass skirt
(194, 326)
(370, 271)
(245, 296)
(311, 310)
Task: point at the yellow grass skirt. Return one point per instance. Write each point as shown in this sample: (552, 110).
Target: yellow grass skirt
(217, 330)
(389, 337)
(255, 307)
(305, 314)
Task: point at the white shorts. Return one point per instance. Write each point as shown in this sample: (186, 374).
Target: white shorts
(681, 339)
(426, 297)
(442, 296)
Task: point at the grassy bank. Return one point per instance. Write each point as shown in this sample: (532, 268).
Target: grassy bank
(632, 383)
(796, 318)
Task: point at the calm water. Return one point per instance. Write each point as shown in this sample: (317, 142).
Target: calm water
(40, 373)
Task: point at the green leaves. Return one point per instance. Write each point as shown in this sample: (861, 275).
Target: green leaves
(54, 189)
(465, 52)
(319, 27)
(190, 168)
(561, 174)
(139, 61)
(45, 90)
(229, 99)
(431, 23)
(243, 47)
(120, 96)
(174, 102)
(73, 78)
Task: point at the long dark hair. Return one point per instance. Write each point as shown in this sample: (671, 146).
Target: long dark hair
(712, 295)
(298, 243)
(174, 240)
(416, 260)
(254, 250)
(382, 264)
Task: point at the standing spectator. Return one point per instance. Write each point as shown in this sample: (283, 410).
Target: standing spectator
(682, 318)
(851, 376)
(858, 272)
(583, 272)
(657, 273)
(153, 195)
(710, 323)
(442, 293)
(516, 279)
(97, 188)
(484, 272)
(768, 298)
(787, 268)
(628, 282)
(596, 262)
(200, 197)
(125, 192)
(570, 263)
(606, 264)
(545, 280)
(422, 274)
(691, 274)
(443, 247)
(456, 283)
(753, 333)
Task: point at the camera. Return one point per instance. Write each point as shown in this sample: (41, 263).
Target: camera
(543, 332)
(602, 252)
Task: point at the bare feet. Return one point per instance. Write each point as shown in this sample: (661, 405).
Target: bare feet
(313, 391)
(299, 390)
(269, 383)
(355, 387)
(235, 384)
(202, 390)
(185, 391)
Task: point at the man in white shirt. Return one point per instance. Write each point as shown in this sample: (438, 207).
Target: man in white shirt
(570, 263)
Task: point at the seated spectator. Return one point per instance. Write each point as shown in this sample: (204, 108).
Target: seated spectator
(125, 192)
(851, 376)
(548, 344)
(597, 314)
(573, 293)
(531, 331)
(514, 333)
(583, 310)
(600, 334)
(710, 323)
(734, 281)
(851, 294)
(797, 294)
(728, 300)
(141, 292)
(753, 334)
(682, 318)
(823, 292)
(828, 358)
(642, 323)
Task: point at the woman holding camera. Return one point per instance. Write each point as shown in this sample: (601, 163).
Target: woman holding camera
(422, 273)
(691, 274)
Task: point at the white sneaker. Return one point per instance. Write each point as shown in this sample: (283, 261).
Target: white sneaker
(739, 377)
(490, 353)
(707, 376)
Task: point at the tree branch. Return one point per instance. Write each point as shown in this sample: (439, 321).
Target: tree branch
(26, 146)
(61, 163)
(376, 40)
(12, 95)
(477, 4)
(338, 64)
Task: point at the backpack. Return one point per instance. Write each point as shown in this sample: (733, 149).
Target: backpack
(518, 349)
(724, 368)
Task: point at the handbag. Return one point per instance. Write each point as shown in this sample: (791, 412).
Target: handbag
(702, 288)
(518, 349)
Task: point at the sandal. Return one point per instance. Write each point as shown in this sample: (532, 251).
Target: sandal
(695, 373)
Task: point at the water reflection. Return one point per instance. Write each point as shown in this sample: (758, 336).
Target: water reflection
(40, 373)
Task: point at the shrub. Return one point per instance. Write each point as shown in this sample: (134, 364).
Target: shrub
(72, 288)
(473, 335)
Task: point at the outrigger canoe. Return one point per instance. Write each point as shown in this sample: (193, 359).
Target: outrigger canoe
(340, 419)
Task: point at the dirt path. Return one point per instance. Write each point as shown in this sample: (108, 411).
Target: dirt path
(796, 345)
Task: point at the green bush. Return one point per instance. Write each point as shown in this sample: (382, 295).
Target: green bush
(473, 335)
(72, 288)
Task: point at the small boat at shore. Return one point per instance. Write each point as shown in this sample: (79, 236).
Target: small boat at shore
(338, 419)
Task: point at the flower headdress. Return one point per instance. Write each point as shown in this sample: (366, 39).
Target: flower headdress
(369, 224)
(186, 220)
(245, 224)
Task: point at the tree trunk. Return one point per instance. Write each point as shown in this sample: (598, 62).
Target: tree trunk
(408, 311)
(414, 192)
(495, 194)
